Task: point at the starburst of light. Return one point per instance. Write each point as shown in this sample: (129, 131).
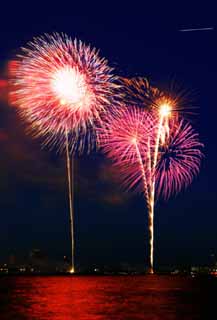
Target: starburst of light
(62, 86)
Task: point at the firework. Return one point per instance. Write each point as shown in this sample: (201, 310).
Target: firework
(155, 153)
(62, 89)
(60, 86)
(138, 91)
(163, 108)
(123, 139)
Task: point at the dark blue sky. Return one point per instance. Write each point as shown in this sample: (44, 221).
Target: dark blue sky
(137, 39)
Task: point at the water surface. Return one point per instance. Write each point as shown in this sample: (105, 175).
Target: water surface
(106, 298)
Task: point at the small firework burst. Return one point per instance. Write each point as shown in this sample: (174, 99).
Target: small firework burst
(62, 86)
(138, 91)
(178, 159)
(120, 134)
(124, 140)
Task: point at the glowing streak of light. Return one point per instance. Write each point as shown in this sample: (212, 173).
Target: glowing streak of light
(197, 29)
(71, 211)
(152, 196)
(164, 112)
(144, 177)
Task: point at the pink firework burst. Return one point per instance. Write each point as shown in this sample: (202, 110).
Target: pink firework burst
(62, 86)
(155, 154)
(130, 140)
(178, 159)
(124, 140)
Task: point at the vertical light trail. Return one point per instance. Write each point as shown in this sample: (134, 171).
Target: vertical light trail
(149, 168)
(152, 197)
(71, 211)
(164, 111)
(143, 173)
(147, 195)
(157, 142)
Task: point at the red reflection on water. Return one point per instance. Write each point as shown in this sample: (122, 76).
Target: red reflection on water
(102, 298)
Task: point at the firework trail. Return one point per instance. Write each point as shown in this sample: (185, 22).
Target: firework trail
(62, 89)
(176, 154)
(71, 211)
(158, 136)
(156, 155)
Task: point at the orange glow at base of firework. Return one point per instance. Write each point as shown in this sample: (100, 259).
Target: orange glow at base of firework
(72, 270)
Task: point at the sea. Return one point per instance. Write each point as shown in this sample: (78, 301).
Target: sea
(127, 297)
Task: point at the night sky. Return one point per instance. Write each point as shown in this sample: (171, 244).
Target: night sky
(138, 40)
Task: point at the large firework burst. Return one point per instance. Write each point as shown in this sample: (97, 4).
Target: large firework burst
(62, 89)
(62, 85)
